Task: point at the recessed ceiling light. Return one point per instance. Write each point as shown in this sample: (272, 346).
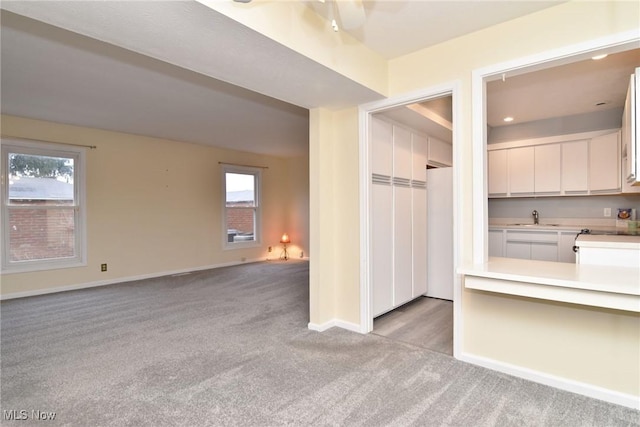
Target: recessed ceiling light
(508, 119)
(595, 58)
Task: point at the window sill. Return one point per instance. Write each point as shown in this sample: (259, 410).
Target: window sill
(241, 245)
(41, 266)
(599, 286)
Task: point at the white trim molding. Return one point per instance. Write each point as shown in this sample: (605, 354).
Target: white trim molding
(544, 60)
(452, 89)
(561, 383)
(119, 280)
(353, 327)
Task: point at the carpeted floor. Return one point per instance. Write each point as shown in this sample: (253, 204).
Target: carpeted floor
(231, 347)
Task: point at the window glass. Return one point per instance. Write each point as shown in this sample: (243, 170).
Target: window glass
(241, 207)
(42, 212)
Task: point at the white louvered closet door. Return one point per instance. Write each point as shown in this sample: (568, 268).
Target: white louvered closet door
(402, 217)
(382, 246)
(420, 148)
(381, 217)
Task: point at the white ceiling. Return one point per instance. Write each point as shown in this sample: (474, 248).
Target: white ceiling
(567, 90)
(55, 75)
(175, 69)
(397, 27)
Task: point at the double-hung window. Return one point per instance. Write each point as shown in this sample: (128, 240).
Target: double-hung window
(42, 206)
(241, 219)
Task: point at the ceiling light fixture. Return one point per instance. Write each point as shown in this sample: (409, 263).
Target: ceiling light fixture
(595, 58)
(508, 119)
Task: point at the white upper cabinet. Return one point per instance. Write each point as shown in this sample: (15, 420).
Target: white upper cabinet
(630, 174)
(520, 170)
(588, 163)
(381, 147)
(440, 153)
(547, 169)
(604, 164)
(497, 172)
(402, 162)
(575, 173)
(420, 148)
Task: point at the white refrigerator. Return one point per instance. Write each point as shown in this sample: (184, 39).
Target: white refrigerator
(440, 233)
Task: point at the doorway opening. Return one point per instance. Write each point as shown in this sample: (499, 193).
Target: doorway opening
(408, 182)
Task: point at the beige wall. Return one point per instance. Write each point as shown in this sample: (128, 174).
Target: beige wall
(494, 325)
(298, 27)
(335, 216)
(593, 346)
(587, 344)
(297, 206)
(161, 201)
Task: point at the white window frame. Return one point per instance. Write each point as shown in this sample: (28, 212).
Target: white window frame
(79, 206)
(257, 173)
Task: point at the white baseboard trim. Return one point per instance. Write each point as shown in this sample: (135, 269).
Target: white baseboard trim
(334, 323)
(120, 280)
(561, 383)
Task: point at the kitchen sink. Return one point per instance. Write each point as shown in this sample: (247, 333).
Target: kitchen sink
(535, 225)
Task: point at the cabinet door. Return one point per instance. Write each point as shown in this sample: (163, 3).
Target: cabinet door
(381, 147)
(565, 247)
(544, 251)
(575, 167)
(547, 166)
(440, 153)
(440, 238)
(497, 172)
(520, 250)
(419, 232)
(402, 164)
(419, 158)
(628, 142)
(604, 164)
(520, 166)
(496, 243)
(382, 248)
(403, 257)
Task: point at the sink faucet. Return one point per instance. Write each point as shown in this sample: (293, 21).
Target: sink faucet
(536, 217)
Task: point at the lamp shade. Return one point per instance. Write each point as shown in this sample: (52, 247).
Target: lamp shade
(285, 238)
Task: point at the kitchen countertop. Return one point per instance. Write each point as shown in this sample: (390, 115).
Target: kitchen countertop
(564, 226)
(599, 286)
(608, 241)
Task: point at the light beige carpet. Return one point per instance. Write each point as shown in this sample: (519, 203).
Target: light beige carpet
(231, 347)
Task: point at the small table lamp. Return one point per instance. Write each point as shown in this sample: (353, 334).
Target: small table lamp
(285, 240)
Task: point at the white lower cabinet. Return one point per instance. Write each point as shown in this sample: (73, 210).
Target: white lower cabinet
(566, 241)
(543, 245)
(419, 234)
(402, 246)
(399, 245)
(520, 250)
(496, 243)
(382, 242)
(544, 251)
(537, 245)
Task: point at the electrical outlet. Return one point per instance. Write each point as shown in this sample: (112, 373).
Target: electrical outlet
(607, 211)
(270, 248)
(103, 267)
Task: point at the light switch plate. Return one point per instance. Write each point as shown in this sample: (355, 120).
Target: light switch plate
(607, 211)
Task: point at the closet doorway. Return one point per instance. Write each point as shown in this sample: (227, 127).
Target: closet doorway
(411, 163)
